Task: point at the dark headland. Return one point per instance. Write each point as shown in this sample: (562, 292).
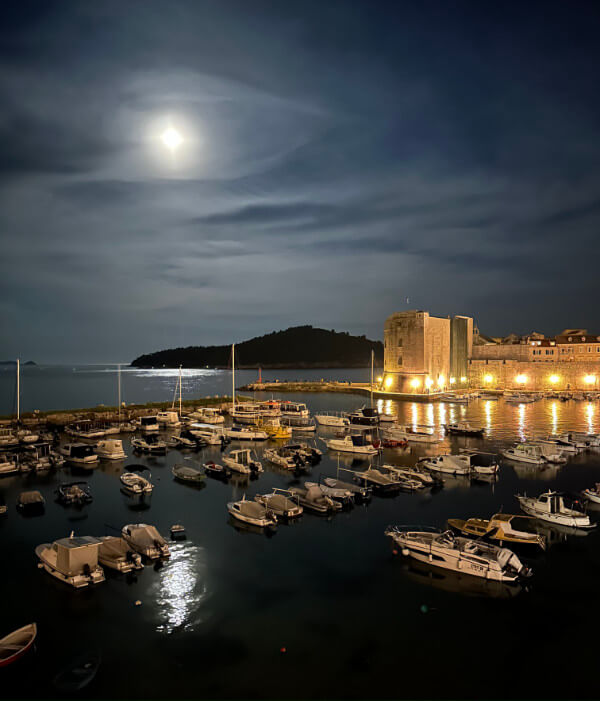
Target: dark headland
(297, 347)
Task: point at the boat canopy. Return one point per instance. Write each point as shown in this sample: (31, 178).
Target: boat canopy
(73, 554)
(145, 536)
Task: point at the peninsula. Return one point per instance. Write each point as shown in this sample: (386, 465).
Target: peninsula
(296, 347)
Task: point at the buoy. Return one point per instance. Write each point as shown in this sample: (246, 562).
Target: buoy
(283, 649)
(138, 603)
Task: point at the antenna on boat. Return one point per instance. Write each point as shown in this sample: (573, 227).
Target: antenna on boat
(119, 386)
(180, 392)
(18, 390)
(372, 358)
(233, 375)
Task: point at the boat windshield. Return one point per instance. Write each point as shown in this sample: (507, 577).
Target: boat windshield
(81, 451)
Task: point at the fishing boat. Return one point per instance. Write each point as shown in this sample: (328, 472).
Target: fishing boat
(188, 473)
(16, 644)
(110, 449)
(525, 452)
(504, 528)
(592, 493)
(213, 469)
(80, 454)
(146, 540)
(315, 500)
(352, 443)
(168, 419)
(360, 494)
(177, 532)
(366, 416)
(583, 440)
(246, 433)
(116, 554)
(273, 428)
(182, 443)
(136, 484)
(340, 494)
(149, 444)
(253, 513)
(72, 560)
(281, 503)
(561, 444)
(85, 429)
(31, 502)
(550, 452)
(463, 428)
(243, 461)
(407, 484)
(309, 453)
(210, 434)
(381, 482)
(413, 473)
(74, 493)
(332, 419)
(207, 415)
(551, 507)
(447, 551)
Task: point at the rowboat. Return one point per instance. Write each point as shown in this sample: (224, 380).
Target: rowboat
(16, 644)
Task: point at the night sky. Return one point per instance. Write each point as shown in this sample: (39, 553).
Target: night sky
(337, 159)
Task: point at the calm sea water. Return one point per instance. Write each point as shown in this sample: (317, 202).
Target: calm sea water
(323, 608)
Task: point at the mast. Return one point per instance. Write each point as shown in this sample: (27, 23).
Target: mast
(372, 359)
(119, 386)
(18, 390)
(233, 375)
(180, 391)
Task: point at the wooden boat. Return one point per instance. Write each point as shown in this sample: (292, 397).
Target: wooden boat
(215, 470)
(504, 528)
(551, 507)
(16, 644)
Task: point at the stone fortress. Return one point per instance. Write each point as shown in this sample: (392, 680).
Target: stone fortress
(424, 354)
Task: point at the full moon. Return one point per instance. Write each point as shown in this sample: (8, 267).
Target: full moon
(171, 138)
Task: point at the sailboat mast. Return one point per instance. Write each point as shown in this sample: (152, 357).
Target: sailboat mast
(18, 390)
(119, 386)
(372, 358)
(180, 391)
(233, 375)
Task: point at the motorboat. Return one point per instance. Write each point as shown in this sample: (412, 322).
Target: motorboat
(39, 457)
(208, 415)
(450, 552)
(457, 398)
(360, 494)
(552, 453)
(411, 434)
(340, 494)
(136, 484)
(299, 424)
(294, 409)
(211, 434)
(309, 453)
(110, 449)
(177, 531)
(413, 473)
(246, 433)
(146, 540)
(72, 560)
(283, 457)
(380, 481)
(332, 419)
(243, 461)
(507, 529)
(149, 444)
(247, 413)
(386, 418)
(447, 464)
(481, 463)
(550, 506)
(280, 503)
(584, 440)
(313, 499)
(188, 473)
(520, 398)
(8, 439)
(148, 424)
(352, 443)
(116, 554)
(463, 428)
(365, 416)
(560, 444)
(525, 452)
(80, 454)
(168, 419)
(182, 443)
(127, 427)
(8, 465)
(407, 484)
(215, 470)
(31, 502)
(85, 429)
(273, 428)
(253, 513)
(16, 644)
(26, 436)
(74, 493)
(592, 493)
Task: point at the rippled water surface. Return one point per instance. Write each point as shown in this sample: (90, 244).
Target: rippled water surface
(322, 608)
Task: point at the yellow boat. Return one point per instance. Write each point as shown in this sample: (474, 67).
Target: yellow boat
(506, 529)
(275, 430)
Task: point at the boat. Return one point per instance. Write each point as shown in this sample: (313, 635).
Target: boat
(352, 443)
(550, 506)
(299, 424)
(245, 433)
(463, 428)
(505, 528)
(243, 461)
(78, 673)
(177, 532)
(360, 494)
(210, 434)
(366, 416)
(146, 540)
(314, 499)
(208, 415)
(168, 419)
(309, 453)
(215, 470)
(332, 419)
(8, 465)
(457, 398)
(447, 551)
(116, 554)
(148, 424)
(407, 484)
(188, 473)
(85, 429)
(447, 464)
(583, 440)
(182, 443)
(411, 434)
(72, 560)
(110, 449)
(283, 457)
(31, 502)
(592, 493)
(253, 513)
(273, 428)
(340, 494)
(149, 444)
(520, 398)
(8, 439)
(136, 484)
(74, 493)
(80, 454)
(246, 413)
(413, 473)
(16, 644)
(281, 503)
(386, 418)
(525, 452)
(381, 482)
(560, 444)
(481, 463)
(294, 409)
(552, 453)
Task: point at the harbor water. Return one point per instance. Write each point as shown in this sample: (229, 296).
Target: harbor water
(322, 608)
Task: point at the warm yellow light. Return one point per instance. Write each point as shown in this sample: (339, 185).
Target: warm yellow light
(589, 379)
(463, 379)
(452, 380)
(521, 379)
(429, 382)
(171, 138)
(389, 381)
(415, 383)
(488, 378)
(441, 380)
(554, 379)
(380, 379)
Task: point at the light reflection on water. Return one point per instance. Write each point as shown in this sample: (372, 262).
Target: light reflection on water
(181, 589)
(554, 410)
(589, 413)
(521, 420)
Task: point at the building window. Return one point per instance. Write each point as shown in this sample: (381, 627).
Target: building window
(399, 360)
(399, 343)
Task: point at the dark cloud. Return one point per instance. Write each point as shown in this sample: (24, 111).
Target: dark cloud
(339, 158)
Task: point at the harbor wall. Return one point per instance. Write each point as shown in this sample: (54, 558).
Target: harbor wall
(531, 375)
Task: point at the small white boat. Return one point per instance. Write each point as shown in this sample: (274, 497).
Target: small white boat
(213, 434)
(560, 444)
(253, 513)
(411, 473)
(447, 464)
(447, 551)
(332, 419)
(246, 413)
(81, 454)
(136, 484)
(8, 439)
(352, 443)
(150, 444)
(242, 461)
(8, 465)
(280, 503)
(146, 540)
(551, 452)
(592, 493)
(408, 433)
(525, 452)
(188, 473)
(284, 458)
(168, 419)
(340, 494)
(245, 433)
(314, 499)
(551, 507)
(207, 415)
(584, 440)
(297, 409)
(14, 645)
(72, 560)
(110, 449)
(115, 553)
(86, 429)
